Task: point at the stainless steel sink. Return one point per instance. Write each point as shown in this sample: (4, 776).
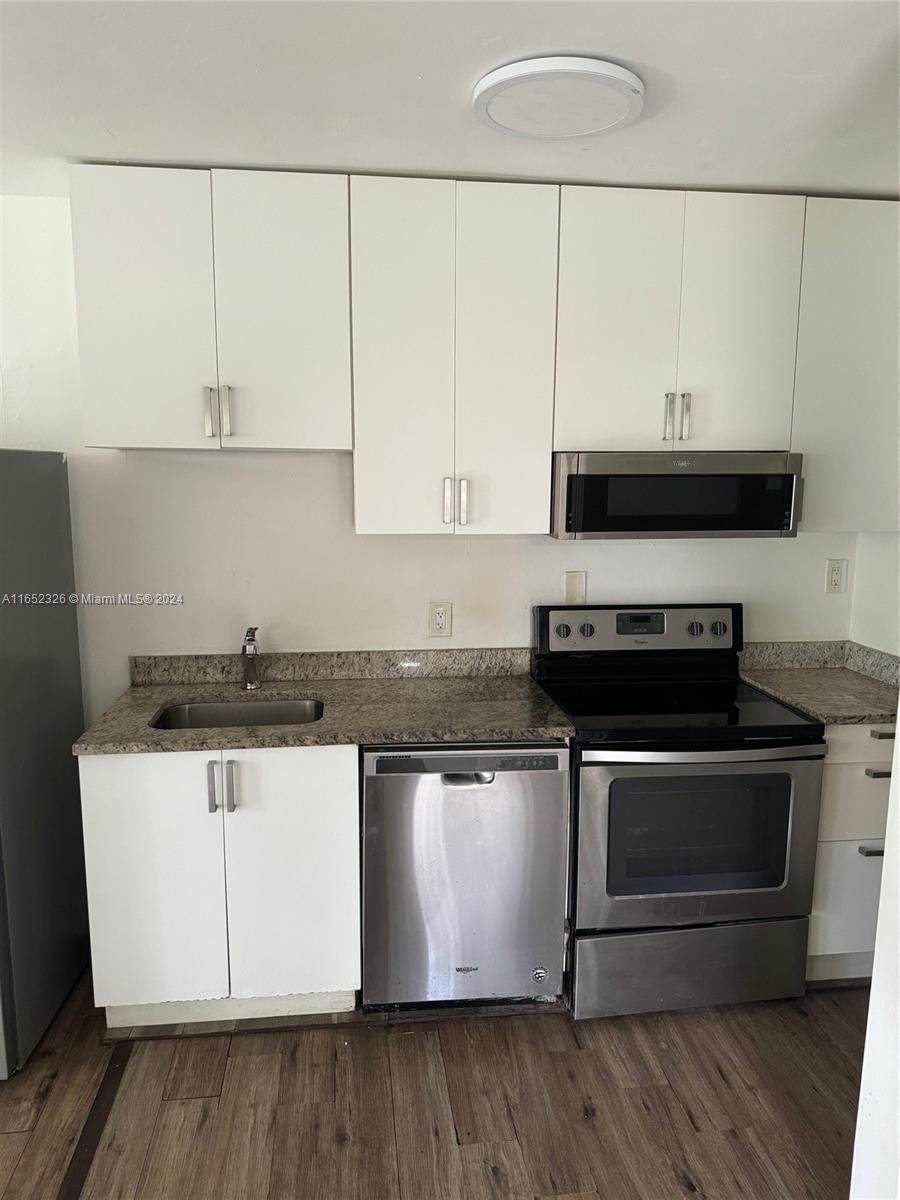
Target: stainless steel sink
(239, 712)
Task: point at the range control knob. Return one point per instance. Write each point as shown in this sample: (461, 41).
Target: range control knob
(586, 630)
(695, 628)
(563, 630)
(718, 628)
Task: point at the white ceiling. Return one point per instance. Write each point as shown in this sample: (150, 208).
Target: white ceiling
(798, 96)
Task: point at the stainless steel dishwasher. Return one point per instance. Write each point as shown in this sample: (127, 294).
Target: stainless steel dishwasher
(464, 872)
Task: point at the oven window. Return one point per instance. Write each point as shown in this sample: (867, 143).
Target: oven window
(642, 503)
(703, 833)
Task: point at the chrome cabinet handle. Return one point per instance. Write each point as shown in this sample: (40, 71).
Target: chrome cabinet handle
(464, 502)
(686, 403)
(212, 797)
(230, 803)
(883, 735)
(225, 400)
(669, 420)
(448, 499)
(874, 773)
(209, 420)
(871, 851)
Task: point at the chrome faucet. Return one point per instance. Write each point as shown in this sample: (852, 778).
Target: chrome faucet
(249, 652)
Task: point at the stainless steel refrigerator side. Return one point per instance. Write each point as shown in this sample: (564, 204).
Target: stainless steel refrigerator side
(43, 939)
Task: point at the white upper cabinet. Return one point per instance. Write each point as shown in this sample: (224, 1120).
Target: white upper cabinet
(292, 866)
(740, 293)
(846, 418)
(146, 315)
(402, 247)
(677, 319)
(282, 309)
(454, 296)
(213, 308)
(506, 247)
(619, 296)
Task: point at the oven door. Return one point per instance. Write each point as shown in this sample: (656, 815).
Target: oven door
(659, 495)
(687, 838)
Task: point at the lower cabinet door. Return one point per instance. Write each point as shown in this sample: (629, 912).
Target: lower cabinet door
(155, 877)
(845, 899)
(292, 866)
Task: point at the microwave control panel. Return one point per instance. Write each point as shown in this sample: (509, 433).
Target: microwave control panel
(582, 628)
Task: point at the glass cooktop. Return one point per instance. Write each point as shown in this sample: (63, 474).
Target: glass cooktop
(670, 709)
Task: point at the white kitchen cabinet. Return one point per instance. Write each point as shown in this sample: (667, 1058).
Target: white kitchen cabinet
(292, 865)
(854, 801)
(282, 309)
(402, 251)
(155, 878)
(740, 292)
(213, 308)
(617, 331)
(845, 898)
(506, 254)
(846, 412)
(454, 296)
(164, 832)
(146, 316)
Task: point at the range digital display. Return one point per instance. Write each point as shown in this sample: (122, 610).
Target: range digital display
(640, 623)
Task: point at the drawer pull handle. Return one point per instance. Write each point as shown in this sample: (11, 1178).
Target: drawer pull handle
(874, 773)
(883, 735)
(871, 851)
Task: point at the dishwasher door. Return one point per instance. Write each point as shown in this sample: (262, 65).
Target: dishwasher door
(464, 873)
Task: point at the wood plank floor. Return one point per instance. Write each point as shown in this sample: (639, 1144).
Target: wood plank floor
(755, 1102)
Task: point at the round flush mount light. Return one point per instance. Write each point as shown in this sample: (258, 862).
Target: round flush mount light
(558, 97)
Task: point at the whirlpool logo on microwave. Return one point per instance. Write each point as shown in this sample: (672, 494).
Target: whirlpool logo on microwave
(684, 462)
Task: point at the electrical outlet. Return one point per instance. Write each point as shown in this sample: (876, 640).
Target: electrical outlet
(836, 575)
(440, 618)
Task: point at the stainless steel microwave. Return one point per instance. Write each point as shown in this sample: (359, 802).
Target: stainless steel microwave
(681, 495)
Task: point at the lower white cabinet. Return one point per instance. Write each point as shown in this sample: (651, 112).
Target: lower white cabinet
(855, 787)
(845, 899)
(292, 870)
(213, 875)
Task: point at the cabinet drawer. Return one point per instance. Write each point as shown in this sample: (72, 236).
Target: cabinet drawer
(845, 899)
(854, 805)
(859, 743)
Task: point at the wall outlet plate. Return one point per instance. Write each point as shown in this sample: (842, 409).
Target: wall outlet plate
(836, 575)
(575, 587)
(440, 618)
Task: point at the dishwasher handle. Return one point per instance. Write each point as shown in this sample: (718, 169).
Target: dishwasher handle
(459, 779)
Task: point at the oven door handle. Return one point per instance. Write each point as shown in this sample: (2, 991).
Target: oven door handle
(674, 757)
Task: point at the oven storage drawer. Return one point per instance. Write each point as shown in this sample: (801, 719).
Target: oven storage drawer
(651, 971)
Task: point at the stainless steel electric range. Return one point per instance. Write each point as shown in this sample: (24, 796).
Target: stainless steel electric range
(696, 809)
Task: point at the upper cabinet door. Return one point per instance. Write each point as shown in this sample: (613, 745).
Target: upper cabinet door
(738, 333)
(506, 245)
(292, 869)
(283, 309)
(402, 248)
(146, 316)
(845, 423)
(619, 292)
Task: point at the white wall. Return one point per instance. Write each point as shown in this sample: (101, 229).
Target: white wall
(875, 613)
(268, 539)
(876, 1152)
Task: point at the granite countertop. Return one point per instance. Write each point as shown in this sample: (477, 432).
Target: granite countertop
(835, 695)
(357, 712)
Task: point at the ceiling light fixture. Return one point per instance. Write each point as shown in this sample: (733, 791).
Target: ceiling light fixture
(558, 97)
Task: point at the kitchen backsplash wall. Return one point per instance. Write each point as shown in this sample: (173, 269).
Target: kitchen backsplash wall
(875, 615)
(268, 539)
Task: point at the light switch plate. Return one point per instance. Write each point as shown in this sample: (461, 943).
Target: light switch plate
(575, 587)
